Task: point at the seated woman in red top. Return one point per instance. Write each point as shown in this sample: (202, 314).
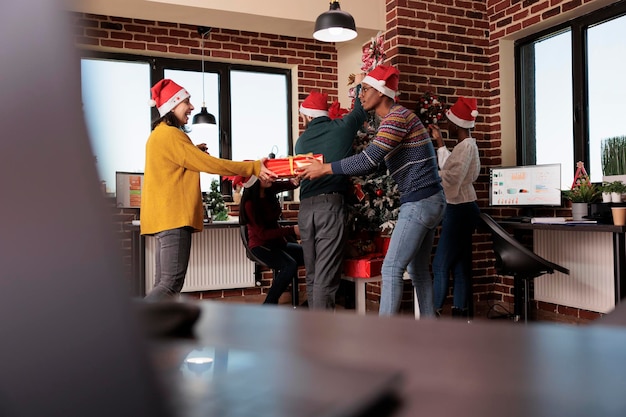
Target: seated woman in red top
(260, 211)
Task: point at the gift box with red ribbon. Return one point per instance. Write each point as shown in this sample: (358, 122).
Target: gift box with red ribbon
(364, 266)
(286, 167)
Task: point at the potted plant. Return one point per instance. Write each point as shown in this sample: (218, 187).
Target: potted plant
(581, 194)
(616, 188)
(613, 159)
(605, 189)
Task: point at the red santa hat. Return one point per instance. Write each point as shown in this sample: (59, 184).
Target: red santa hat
(384, 78)
(166, 95)
(245, 182)
(463, 113)
(315, 105)
(248, 182)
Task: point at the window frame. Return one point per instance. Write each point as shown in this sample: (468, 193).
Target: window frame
(525, 118)
(158, 65)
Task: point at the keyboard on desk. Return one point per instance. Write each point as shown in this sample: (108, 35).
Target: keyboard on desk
(518, 219)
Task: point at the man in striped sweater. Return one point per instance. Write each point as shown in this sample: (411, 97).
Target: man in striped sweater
(404, 145)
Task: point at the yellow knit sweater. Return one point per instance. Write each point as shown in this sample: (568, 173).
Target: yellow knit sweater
(171, 196)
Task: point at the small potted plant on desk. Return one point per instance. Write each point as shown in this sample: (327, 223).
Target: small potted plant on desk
(615, 190)
(581, 194)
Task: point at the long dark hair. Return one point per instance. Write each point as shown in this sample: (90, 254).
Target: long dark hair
(253, 193)
(169, 118)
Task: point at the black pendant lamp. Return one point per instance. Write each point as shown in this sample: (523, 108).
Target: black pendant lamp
(335, 25)
(204, 117)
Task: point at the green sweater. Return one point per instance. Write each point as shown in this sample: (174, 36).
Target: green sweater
(171, 196)
(333, 139)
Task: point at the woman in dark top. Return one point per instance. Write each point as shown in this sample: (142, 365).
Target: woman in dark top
(272, 243)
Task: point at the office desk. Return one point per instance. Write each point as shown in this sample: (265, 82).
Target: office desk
(450, 368)
(618, 246)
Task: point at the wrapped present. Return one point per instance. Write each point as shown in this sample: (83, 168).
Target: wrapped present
(363, 267)
(286, 167)
(382, 244)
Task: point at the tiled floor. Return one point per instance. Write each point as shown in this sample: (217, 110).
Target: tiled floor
(481, 313)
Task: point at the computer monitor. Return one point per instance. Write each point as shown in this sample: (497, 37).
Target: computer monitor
(526, 186)
(128, 187)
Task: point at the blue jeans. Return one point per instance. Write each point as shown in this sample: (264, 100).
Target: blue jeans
(285, 262)
(173, 248)
(409, 249)
(454, 253)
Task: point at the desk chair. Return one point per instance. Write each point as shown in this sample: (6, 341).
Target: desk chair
(243, 232)
(514, 259)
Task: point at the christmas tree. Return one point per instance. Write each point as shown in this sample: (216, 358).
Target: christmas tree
(214, 203)
(376, 200)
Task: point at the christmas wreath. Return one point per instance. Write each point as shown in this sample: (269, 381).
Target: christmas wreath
(429, 109)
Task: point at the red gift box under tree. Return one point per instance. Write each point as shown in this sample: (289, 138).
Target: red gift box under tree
(363, 267)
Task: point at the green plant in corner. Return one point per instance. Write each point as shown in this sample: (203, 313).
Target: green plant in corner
(613, 156)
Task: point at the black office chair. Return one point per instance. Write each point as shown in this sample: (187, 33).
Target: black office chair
(243, 232)
(516, 260)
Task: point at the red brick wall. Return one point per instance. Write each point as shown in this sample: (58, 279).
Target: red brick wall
(448, 47)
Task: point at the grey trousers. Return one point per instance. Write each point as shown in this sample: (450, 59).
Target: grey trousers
(322, 223)
(171, 260)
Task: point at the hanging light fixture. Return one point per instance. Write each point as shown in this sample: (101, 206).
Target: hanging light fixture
(334, 25)
(204, 117)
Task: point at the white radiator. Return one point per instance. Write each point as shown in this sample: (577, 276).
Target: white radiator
(589, 257)
(218, 261)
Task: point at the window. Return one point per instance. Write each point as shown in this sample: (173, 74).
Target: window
(117, 128)
(251, 106)
(259, 122)
(569, 88)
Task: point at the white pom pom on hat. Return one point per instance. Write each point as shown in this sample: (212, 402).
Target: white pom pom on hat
(463, 113)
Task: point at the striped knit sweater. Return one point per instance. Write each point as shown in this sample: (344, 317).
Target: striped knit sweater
(404, 145)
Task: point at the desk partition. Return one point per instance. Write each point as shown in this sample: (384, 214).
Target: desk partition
(595, 255)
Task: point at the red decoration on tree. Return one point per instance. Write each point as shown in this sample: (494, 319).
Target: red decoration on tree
(373, 54)
(379, 192)
(358, 192)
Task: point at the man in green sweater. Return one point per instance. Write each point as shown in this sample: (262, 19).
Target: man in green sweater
(322, 217)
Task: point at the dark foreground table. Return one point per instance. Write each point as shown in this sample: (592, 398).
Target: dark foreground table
(449, 368)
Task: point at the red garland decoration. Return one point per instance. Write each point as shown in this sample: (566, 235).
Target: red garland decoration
(374, 54)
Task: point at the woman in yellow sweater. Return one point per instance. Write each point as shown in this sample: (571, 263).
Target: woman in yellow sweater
(171, 201)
